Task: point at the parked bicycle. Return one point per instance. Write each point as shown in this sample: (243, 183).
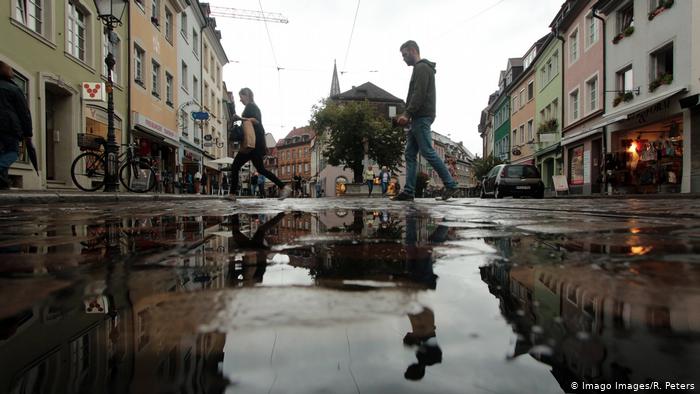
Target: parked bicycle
(137, 174)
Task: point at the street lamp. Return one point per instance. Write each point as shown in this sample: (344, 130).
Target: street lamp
(111, 13)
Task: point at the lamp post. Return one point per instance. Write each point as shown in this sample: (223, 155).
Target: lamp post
(110, 12)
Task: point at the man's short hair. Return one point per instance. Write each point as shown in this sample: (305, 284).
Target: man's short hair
(410, 44)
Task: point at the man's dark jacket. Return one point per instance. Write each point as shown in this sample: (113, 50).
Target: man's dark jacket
(421, 91)
(15, 119)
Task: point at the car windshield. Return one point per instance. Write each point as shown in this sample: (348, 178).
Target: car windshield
(521, 172)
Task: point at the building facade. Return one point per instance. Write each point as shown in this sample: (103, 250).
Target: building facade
(294, 155)
(582, 137)
(548, 85)
(650, 124)
(55, 47)
(154, 77)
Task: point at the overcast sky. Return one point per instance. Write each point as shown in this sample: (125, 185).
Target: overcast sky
(469, 40)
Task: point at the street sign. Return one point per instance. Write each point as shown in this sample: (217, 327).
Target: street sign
(207, 144)
(208, 137)
(93, 91)
(200, 115)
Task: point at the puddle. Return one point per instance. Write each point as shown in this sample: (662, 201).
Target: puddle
(340, 300)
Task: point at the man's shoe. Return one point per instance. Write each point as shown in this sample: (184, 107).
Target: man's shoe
(448, 192)
(285, 192)
(402, 197)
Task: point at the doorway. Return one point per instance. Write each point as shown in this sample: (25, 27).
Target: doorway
(58, 112)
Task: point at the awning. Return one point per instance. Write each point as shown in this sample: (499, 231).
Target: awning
(154, 135)
(548, 149)
(586, 133)
(625, 113)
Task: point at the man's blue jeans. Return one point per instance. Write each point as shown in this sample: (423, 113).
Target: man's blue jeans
(420, 139)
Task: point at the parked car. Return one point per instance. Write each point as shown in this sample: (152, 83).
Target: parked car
(512, 180)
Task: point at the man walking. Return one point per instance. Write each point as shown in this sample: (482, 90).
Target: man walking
(420, 112)
(15, 122)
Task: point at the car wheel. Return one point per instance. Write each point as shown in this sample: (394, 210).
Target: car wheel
(497, 193)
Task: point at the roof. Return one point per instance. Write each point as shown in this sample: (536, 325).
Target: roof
(367, 91)
(297, 132)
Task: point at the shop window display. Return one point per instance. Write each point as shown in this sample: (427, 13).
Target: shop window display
(648, 160)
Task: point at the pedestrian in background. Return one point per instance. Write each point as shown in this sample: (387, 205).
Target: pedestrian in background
(252, 113)
(384, 177)
(369, 180)
(420, 113)
(197, 181)
(254, 184)
(203, 182)
(261, 186)
(15, 122)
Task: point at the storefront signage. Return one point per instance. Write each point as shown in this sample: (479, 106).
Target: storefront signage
(577, 165)
(208, 137)
(587, 167)
(93, 91)
(200, 115)
(144, 121)
(642, 116)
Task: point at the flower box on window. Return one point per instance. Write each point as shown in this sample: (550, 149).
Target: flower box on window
(625, 33)
(548, 126)
(665, 79)
(663, 6)
(626, 96)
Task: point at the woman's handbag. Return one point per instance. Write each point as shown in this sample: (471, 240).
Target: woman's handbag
(248, 142)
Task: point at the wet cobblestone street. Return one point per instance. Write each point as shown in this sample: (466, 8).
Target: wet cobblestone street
(349, 296)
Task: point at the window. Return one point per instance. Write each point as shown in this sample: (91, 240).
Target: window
(169, 89)
(211, 61)
(515, 105)
(139, 56)
(625, 17)
(573, 47)
(212, 103)
(573, 105)
(522, 98)
(515, 135)
(183, 25)
(206, 57)
(625, 79)
(76, 31)
(662, 62)
(195, 42)
(522, 133)
(184, 76)
(30, 14)
(139, 3)
(530, 125)
(155, 12)
(114, 48)
(23, 83)
(307, 167)
(195, 88)
(155, 75)
(168, 25)
(592, 91)
(218, 75)
(592, 29)
(530, 90)
(555, 109)
(206, 95)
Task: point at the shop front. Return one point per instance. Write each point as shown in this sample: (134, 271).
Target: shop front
(583, 160)
(191, 166)
(646, 157)
(213, 175)
(549, 162)
(159, 144)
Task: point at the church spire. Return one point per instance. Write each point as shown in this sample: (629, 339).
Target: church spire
(335, 83)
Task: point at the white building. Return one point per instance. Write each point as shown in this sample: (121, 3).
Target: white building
(190, 24)
(651, 79)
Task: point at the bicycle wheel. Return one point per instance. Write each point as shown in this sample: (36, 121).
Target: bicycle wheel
(88, 171)
(137, 176)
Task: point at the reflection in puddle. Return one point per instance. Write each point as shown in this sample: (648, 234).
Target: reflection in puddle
(369, 300)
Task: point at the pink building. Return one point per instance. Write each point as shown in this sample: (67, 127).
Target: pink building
(583, 95)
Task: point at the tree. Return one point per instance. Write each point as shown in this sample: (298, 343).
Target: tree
(482, 166)
(348, 125)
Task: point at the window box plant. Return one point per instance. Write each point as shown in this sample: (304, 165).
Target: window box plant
(548, 126)
(663, 6)
(664, 79)
(626, 96)
(625, 33)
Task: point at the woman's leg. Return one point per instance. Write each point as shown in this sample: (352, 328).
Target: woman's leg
(238, 162)
(260, 166)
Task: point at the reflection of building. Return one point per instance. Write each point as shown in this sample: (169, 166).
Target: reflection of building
(597, 325)
(54, 47)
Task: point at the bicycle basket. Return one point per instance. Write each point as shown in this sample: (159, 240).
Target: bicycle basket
(90, 141)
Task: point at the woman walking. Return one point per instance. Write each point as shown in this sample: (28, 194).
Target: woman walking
(252, 114)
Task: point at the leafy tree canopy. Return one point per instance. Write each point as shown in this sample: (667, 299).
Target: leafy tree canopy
(346, 125)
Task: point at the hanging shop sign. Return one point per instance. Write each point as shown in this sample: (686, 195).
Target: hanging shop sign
(200, 115)
(93, 91)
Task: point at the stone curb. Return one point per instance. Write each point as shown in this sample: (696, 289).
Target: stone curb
(53, 198)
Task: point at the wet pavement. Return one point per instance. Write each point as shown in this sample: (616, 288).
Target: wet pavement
(350, 296)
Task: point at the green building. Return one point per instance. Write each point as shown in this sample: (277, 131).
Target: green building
(548, 116)
(55, 47)
(501, 124)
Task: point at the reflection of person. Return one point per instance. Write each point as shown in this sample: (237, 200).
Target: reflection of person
(422, 336)
(15, 122)
(420, 110)
(252, 113)
(255, 249)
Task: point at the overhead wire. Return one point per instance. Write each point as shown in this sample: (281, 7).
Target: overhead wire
(352, 31)
(277, 65)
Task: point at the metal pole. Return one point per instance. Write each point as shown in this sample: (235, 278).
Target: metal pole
(112, 149)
